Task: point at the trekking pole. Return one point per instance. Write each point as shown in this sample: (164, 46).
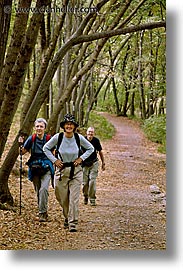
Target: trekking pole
(20, 169)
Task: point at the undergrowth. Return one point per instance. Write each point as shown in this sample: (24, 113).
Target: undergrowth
(155, 129)
(103, 129)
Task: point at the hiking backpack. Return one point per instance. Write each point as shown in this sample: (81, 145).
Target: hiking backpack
(48, 136)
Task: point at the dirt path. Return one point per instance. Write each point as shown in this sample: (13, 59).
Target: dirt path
(128, 216)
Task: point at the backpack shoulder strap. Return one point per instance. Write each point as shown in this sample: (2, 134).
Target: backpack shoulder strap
(33, 143)
(48, 136)
(77, 139)
(78, 144)
(33, 137)
(60, 137)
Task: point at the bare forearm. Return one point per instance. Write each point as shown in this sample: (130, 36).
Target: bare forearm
(101, 156)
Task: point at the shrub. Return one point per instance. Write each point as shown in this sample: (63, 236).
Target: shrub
(155, 129)
(103, 129)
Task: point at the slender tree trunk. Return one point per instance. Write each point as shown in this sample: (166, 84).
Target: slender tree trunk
(115, 96)
(132, 105)
(125, 104)
(140, 77)
(126, 86)
(81, 91)
(43, 67)
(151, 79)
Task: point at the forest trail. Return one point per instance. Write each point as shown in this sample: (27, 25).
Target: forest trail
(129, 214)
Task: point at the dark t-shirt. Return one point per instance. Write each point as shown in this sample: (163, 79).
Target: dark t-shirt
(36, 147)
(97, 148)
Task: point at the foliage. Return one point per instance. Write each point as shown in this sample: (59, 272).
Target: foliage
(155, 129)
(105, 103)
(103, 129)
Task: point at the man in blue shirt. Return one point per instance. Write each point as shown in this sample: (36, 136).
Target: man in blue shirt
(40, 167)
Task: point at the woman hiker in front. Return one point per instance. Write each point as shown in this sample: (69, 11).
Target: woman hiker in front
(68, 175)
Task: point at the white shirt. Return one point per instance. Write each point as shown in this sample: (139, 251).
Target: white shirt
(68, 148)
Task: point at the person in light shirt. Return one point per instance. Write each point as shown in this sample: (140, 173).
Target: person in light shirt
(69, 174)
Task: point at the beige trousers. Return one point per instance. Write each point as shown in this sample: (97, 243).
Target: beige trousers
(67, 192)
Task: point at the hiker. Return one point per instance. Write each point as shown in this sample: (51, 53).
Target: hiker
(90, 168)
(41, 169)
(68, 175)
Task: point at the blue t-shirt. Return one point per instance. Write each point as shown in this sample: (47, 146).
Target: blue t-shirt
(36, 147)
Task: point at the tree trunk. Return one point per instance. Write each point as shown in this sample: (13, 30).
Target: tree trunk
(4, 29)
(14, 87)
(5, 171)
(43, 67)
(151, 79)
(132, 105)
(115, 97)
(11, 102)
(126, 86)
(141, 87)
(19, 28)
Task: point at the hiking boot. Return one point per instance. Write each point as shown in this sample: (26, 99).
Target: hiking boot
(85, 200)
(92, 203)
(72, 228)
(43, 217)
(66, 224)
